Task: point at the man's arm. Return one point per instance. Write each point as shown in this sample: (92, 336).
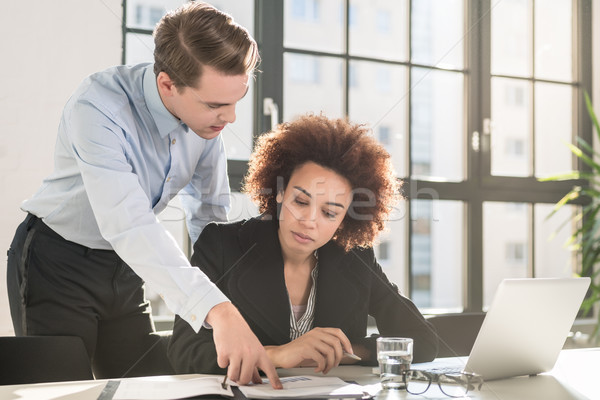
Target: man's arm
(207, 197)
(125, 218)
(238, 349)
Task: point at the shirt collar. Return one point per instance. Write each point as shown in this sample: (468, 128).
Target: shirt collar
(165, 121)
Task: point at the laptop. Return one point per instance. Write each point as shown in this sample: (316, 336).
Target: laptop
(524, 329)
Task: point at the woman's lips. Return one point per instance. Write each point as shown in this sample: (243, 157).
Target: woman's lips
(302, 238)
(217, 128)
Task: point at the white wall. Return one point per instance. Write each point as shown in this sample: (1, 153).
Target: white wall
(47, 48)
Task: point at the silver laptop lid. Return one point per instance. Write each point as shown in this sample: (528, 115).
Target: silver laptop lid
(526, 326)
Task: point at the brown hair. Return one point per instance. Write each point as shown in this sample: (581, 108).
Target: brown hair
(196, 35)
(345, 148)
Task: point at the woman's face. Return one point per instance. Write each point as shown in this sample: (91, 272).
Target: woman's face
(314, 204)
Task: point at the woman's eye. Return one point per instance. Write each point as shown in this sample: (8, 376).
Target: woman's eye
(300, 202)
(330, 214)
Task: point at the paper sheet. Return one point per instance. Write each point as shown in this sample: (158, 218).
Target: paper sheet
(160, 389)
(304, 386)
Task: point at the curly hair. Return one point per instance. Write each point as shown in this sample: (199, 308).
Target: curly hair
(336, 144)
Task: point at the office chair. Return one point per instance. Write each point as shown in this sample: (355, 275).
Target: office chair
(153, 361)
(35, 359)
(457, 332)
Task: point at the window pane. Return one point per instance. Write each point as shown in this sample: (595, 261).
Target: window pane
(238, 136)
(437, 140)
(553, 38)
(241, 11)
(553, 128)
(392, 249)
(511, 133)
(437, 33)
(145, 14)
(314, 25)
(505, 244)
(511, 37)
(139, 48)
(552, 258)
(379, 97)
(437, 256)
(242, 207)
(312, 83)
(380, 29)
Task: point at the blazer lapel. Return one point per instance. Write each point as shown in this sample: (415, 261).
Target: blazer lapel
(338, 287)
(260, 283)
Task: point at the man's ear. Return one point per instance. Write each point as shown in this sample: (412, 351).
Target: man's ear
(279, 197)
(165, 85)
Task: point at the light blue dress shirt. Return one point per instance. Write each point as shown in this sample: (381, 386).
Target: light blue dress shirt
(120, 157)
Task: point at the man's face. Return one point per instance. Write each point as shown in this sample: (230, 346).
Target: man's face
(209, 106)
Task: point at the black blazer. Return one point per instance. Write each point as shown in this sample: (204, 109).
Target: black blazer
(244, 260)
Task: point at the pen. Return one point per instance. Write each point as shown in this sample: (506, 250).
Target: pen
(353, 356)
(224, 383)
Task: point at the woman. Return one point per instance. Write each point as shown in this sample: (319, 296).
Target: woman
(303, 273)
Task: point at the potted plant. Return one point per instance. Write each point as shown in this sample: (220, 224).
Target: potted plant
(586, 238)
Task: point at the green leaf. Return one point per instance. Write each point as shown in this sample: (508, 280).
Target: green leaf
(592, 114)
(584, 157)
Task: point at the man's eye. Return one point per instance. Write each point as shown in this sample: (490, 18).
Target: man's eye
(300, 202)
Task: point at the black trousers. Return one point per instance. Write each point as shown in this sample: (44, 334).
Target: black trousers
(57, 287)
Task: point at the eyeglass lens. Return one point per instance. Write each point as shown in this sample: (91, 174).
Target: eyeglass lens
(453, 385)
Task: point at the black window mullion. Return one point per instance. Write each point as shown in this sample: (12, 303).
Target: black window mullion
(124, 32)
(478, 107)
(269, 36)
(583, 72)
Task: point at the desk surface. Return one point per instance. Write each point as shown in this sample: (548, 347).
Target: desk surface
(575, 376)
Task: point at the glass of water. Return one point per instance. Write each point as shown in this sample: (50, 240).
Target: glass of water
(395, 355)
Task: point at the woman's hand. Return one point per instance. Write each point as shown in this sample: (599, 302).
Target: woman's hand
(321, 346)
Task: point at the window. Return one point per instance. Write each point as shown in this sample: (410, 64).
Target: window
(383, 22)
(303, 69)
(307, 10)
(384, 251)
(384, 135)
(516, 253)
(474, 101)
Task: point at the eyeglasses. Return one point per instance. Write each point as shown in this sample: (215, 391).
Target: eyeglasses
(451, 384)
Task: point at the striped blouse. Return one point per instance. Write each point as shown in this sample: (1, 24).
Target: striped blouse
(299, 326)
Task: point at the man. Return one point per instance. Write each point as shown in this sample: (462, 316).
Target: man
(130, 139)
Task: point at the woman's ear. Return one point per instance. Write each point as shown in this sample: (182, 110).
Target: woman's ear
(279, 197)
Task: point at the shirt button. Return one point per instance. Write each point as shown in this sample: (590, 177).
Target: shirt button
(173, 141)
(193, 317)
(168, 179)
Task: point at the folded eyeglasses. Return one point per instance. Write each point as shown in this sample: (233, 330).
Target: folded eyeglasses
(451, 384)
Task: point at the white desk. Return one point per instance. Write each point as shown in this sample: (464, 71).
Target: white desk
(576, 375)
